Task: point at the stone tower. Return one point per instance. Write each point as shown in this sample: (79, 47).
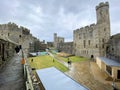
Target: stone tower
(57, 41)
(103, 26)
(92, 39)
(55, 37)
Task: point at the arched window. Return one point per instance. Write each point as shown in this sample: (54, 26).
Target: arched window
(84, 43)
(20, 36)
(104, 29)
(103, 46)
(8, 34)
(89, 42)
(96, 46)
(103, 40)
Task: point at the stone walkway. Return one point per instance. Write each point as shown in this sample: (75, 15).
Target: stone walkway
(86, 73)
(11, 75)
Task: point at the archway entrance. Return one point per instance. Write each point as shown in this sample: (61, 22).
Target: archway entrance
(92, 57)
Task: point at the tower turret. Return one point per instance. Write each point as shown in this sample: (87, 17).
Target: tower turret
(102, 12)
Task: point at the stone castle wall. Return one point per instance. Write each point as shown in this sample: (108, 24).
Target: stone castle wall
(18, 34)
(113, 47)
(86, 41)
(66, 47)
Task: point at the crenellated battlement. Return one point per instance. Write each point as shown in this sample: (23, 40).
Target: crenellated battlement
(102, 4)
(81, 27)
(9, 25)
(88, 27)
(92, 25)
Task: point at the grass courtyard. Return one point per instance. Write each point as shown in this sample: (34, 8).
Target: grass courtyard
(72, 58)
(45, 61)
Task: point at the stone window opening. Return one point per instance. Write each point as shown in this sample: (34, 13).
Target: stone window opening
(91, 33)
(107, 49)
(96, 46)
(104, 29)
(112, 49)
(103, 40)
(8, 34)
(84, 35)
(87, 52)
(102, 46)
(89, 42)
(0, 49)
(79, 36)
(20, 36)
(84, 43)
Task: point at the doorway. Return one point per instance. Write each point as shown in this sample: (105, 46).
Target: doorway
(118, 74)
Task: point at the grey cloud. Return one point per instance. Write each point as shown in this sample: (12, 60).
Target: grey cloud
(8, 9)
(53, 6)
(45, 17)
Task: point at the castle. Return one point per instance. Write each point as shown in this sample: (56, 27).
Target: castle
(94, 41)
(91, 40)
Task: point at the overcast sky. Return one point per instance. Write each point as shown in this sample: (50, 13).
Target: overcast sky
(45, 17)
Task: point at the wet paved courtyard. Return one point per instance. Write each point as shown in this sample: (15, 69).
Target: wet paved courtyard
(89, 74)
(11, 75)
(85, 73)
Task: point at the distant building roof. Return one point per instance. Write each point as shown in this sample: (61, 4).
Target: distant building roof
(53, 79)
(109, 62)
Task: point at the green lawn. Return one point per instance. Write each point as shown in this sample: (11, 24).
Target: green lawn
(45, 62)
(73, 58)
